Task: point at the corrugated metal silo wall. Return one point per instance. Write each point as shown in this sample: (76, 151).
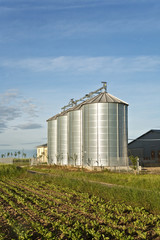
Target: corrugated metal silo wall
(74, 138)
(52, 141)
(104, 131)
(123, 134)
(62, 155)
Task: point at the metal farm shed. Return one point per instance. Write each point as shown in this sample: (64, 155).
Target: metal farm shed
(147, 148)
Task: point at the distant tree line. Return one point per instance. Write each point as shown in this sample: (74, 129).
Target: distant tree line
(15, 154)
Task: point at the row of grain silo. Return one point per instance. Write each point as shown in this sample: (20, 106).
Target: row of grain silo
(92, 133)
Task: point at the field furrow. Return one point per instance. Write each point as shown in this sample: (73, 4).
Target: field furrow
(34, 209)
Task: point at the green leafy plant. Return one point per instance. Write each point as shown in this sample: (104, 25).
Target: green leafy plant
(40, 207)
(134, 161)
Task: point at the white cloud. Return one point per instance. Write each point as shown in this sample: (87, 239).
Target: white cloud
(87, 64)
(29, 108)
(3, 126)
(115, 21)
(13, 106)
(5, 145)
(8, 96)
(113, 24)
(27, 126)
(61, 4)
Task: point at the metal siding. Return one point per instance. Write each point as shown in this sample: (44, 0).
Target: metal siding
(74, 137)
(104, 130)
(103, 134)
(97, 134)
(123, 135)
(62, 156)
(112, 134)
(52, 142)
(126, 136)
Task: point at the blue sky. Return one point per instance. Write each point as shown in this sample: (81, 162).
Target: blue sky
(55, 50)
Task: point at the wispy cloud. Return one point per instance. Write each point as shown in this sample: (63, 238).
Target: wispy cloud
(27, 126)
(9, 96)
(5, 145)
(3, 126)
(60, 4)
(31, 143)
(55, 27)
(74, 28)
(13, 106)
(86, 64)
(7, 6)
(29, 107)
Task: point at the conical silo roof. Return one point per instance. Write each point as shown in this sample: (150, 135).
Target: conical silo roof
(53, 118)
(102, 97)
(58, 115)
(105, 97)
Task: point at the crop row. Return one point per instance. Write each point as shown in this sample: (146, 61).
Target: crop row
(34, 209)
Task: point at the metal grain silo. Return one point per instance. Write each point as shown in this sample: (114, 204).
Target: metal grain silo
(74, 136)
(104, 131)
(62, 139)
(52, 140)
(93, 133)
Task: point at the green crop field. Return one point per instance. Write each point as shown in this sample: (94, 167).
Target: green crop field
(51, 207)
(141, 190)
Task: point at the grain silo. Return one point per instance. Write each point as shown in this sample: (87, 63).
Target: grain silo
(62, 140)
(92, 133)
(52, 140)
(57, 139)
(104, 131)
(75, 136)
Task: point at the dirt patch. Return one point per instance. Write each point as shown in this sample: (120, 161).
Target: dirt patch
(152, 170)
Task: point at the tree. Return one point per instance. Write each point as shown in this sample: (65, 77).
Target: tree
(19, 153)
(2, 155)
(42, 156)
(8, 154)
(74, 158)
(134, 161)
(15, 154)
(59, 157)
(24, 155)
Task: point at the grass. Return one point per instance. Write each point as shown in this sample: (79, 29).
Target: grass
(145, 181)
(47, 207)
(65, 204)
(21, 162)
(10, 170)
(135, 190)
